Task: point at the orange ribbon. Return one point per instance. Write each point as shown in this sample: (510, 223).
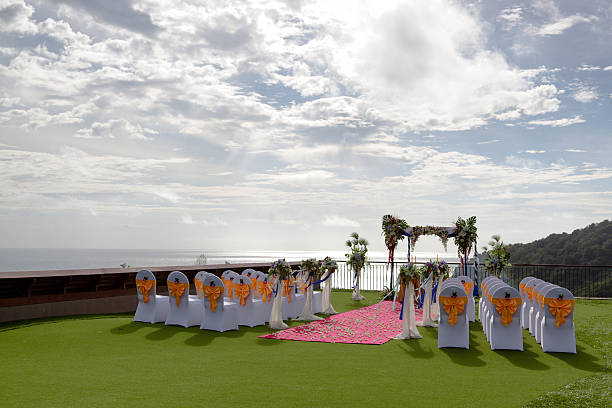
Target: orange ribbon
(506, 307)
(264, 291)
(540, 299)
(213, 293)
(287, 290)
(242, 290)
(560, 308)
(228, 284)
(144, 287)
(254, 286)
(453, 306)
(522, 288)
(199, 284)
(177, 289)
(468, 287)
(529, 291)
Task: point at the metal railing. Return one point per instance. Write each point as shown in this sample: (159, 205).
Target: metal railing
(581, 280)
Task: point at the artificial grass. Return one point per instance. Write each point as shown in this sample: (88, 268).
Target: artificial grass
(112, 361)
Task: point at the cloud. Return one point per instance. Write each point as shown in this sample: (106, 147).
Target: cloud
(575, 150)
(558, 122)
(562, 24)
(15, 16)
(585, 95)
(114, 129)
(338, 221)
(534, 151)
(488, 142)
(510, 17)
(608, 68)
(586, 67)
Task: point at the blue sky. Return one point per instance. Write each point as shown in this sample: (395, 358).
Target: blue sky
(289, 124)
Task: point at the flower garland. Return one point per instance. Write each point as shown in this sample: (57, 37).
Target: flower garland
(417, 231)
(393, 230)
(280, 268)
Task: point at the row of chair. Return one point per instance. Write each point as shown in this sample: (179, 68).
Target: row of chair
(219, 303)
(548, 314)
(499, 311)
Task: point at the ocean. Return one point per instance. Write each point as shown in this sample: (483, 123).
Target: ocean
(30, 259)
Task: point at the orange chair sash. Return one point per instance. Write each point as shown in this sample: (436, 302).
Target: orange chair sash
(177, 289)
(213, 293)
(229, 285)
(522, 288)
(242, 291)
(254, 286)
(453, 306)
(287, 290)
(144, 287)
(264, 291)
(468, 286)
(529, 291)
(506, 307)
(560, 308)
(540, 299)
(199, 284)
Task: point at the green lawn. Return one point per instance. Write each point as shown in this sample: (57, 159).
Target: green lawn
(112, 361)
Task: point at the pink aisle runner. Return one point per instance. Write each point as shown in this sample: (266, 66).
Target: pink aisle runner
(375, 324)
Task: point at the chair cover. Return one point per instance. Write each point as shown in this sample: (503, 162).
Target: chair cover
(557, 326)
(523, 293)
(529, 289)
(483, 296)
(252, 274)
(198, 282)
(489, 308)
(250, 311)
(276, 315)
(506, 332)
(453, 329)
(540, 310)
(152, 308)
(427, 321)
(533, 312)
(409, 327)
(219, 315)
(227, 278)
(468, 285)
(185, 310)
(266, 294)
(326, 305)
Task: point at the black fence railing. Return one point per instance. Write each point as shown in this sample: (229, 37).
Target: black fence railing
(581, 280)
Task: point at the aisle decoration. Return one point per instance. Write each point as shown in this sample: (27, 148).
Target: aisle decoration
(356, 260)
(429, 272)
(312, 268)
(328, 266)
(498, 256)
(408, 277)
(442, 274)
(440, 232)
(375, 324)
(393, 230)
(280, 271)
(465, 239)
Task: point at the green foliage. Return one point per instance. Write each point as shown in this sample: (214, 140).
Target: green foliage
(591, 245)
(386, 293)
(393, 230)
(409, 271)
(312, 266)
(499, 256)
(466, 236)
(357, 259)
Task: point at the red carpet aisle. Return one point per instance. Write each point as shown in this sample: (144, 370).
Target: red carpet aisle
(374, 324)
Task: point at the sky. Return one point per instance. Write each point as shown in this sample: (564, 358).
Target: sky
(287, 125)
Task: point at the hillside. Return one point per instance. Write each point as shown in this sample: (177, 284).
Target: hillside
(591, 245)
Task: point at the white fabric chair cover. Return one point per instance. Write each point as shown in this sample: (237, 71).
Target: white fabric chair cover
(495, 285)
(155, 309)
(533, 313)
(267, 302)
(252, 274)
(326, 305)
(276, 315)
(456, 335)
(252, 312)
(427, 321)
(409, 327)
(523, 293)
(189, 311)
(199, 280)
(225, 316)
(540, 312)
(510, 336)
(471, 306)
(560, 339)
(482, 302)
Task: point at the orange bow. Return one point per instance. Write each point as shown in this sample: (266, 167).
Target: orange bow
(213, 293)
(287, 290)
(522, 288)
(177, 289)
(264, 291)
(242, 291)
(560, 308)
(506, 307)
(228, 284)
(468, 287)
(144, 287)
(529, 291)
(199, 284)
(453, 306)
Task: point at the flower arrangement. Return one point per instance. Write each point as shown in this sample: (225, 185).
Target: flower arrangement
(393, 230)
(280, 268)
(312, 266)
(409, 272)
(465, 237)
(357, 258)
(430, 269)
(499, 256)
(417, 231)
(443, 268)
(329, 265)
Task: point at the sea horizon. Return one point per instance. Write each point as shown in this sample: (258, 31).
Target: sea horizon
(29, 259)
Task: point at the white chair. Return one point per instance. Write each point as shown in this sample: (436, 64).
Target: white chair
(523, 293)
(468, 285)
(533, 312)
(185, 310)
(453, 328)
(483, 297)
(152, 308)
(219, 315)
(265, 293)
(505, 328)
(252, 274)
(250, 311)
(198, 282)
(530, 313)
(557, 326)
(488, 307)
(540, 310)
(227, 278)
